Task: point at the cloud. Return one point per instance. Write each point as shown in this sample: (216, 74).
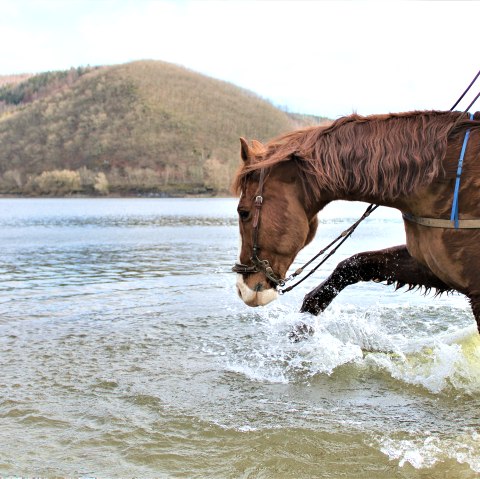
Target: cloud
(324, 57)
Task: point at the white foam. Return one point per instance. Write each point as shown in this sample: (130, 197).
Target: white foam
(425, 452)
(437, 361)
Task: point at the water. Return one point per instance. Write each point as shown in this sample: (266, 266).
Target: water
(125, 352)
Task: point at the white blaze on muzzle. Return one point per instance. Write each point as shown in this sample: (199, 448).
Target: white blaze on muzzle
(252, 297)
(248, 295)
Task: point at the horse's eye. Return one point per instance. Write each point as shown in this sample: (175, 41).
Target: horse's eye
(244, 214)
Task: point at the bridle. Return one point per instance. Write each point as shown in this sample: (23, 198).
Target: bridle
(258, 265)
(263, 266)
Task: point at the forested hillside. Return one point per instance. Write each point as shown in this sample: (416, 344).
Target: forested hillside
(145, 127)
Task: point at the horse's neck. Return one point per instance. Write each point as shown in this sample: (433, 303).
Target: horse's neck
(396, 204)
(401, 203)
(431, 200)
(399, 184)
(387, 165)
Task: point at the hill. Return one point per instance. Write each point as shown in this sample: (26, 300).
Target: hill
(139, 128)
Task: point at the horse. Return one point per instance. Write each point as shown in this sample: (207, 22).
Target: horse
(408, 161)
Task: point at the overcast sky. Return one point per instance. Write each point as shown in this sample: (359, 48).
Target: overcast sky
(319, 57)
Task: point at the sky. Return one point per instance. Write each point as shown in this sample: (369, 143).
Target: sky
(318, 57)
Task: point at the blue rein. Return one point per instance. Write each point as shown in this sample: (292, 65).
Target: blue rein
(454, 215)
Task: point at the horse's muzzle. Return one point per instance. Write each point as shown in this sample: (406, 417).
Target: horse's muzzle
(259, 295)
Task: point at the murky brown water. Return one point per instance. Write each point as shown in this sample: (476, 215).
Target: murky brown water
(124, 352)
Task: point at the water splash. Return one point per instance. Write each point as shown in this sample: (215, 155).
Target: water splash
(442, 356)
(272, 357)
(426, 451)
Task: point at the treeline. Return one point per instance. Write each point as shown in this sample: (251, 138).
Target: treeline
(54, 183)
(37, 86)
(118, 181)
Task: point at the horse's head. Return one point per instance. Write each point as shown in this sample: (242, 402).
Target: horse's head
(274, 223)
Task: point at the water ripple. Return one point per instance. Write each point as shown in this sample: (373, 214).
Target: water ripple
(126, 352)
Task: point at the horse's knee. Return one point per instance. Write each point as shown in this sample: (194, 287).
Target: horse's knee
(346, 265)
(350, 270)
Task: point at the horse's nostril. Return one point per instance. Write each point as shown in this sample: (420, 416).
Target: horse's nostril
(258, 287)
(239, 292)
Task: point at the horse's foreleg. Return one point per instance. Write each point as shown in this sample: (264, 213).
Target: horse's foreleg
(392, 265)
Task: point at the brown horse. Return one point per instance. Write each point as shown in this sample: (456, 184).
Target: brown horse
(407, 161)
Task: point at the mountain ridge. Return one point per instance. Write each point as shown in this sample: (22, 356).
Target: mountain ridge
(145, 127)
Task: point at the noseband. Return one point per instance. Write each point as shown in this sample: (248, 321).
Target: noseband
(258, 265)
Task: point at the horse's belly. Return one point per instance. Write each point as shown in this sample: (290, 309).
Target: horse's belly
(452, 255)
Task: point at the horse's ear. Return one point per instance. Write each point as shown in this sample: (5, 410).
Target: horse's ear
(256, 145)
(245, 149)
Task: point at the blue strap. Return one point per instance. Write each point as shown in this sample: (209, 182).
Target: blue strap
(454, 215)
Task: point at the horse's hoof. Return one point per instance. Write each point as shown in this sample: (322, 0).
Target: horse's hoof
(313, 306)
(300, 332)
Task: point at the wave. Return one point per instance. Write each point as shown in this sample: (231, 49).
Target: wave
(425, 452)
(436, 348)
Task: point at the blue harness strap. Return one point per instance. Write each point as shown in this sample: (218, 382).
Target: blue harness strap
(454, 215)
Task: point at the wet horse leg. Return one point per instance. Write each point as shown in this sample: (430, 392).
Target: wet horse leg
(475, 303)
(392, 265)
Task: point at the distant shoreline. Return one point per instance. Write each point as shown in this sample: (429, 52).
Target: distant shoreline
(118, 196)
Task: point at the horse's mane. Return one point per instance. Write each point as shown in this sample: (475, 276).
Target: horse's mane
(384, 155)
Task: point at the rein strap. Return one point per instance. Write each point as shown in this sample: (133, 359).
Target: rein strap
(341, 238)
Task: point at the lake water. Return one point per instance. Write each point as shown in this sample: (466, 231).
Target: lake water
(125, 352)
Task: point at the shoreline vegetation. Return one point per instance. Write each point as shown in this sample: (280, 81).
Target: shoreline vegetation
(146, 128)
(85, 183)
